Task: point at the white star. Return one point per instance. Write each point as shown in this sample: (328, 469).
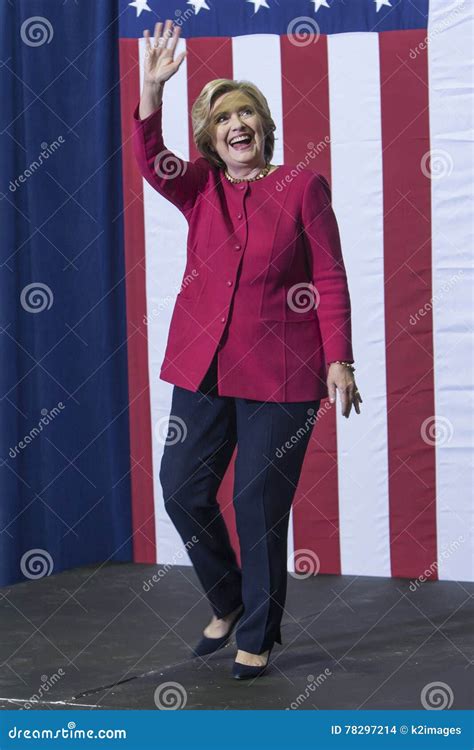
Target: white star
(382, 2)
(259, 4)
(198, 5)
(140, 5)
(320, 4)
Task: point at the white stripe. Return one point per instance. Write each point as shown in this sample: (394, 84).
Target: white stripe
(257, 59)
(264, 49)
(357, 189)
(165, 242)
(451, 75)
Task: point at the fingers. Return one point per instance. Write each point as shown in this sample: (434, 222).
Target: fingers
(348, 393)
(161, 36)
(346, 402)
(158, 28)
(357, 401)
(163, 42)
(331, 391)
(146, 34)
(352, 399)
(174, 40)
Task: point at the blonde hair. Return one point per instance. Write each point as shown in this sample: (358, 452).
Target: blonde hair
(201, 116)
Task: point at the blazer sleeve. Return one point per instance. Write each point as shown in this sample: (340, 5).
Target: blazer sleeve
(327, 269)
(176, 179)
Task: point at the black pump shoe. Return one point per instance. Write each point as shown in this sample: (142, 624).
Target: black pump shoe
(209, 645)
(246, 671)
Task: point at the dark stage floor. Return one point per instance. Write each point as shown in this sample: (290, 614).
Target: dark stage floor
(94, 638)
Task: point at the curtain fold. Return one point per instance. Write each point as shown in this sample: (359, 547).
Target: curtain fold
(64, 429)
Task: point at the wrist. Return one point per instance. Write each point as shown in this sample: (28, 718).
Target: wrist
(151, 99)
(153, 87)
(343, 362)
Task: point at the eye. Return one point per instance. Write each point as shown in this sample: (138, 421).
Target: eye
(249, 110)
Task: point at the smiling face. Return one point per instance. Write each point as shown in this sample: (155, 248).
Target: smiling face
(237, 132)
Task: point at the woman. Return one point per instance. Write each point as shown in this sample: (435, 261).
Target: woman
(257, 338)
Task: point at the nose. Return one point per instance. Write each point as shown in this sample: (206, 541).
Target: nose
(235, 122)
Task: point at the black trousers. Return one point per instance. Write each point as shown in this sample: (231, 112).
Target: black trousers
(271, 439)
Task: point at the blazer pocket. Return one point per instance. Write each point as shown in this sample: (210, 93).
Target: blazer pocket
(301, 316)
(296, 307)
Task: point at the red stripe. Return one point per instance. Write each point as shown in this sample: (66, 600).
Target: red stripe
(208, 59)
(305, 88)
(143, 513)
(408, 288)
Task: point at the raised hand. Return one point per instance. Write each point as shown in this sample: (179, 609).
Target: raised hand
(159, 62)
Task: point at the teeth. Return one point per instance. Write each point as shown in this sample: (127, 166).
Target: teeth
(239, 139)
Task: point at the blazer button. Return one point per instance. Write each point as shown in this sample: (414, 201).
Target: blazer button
(223, 319)
(237, 247)
(239, 216)
(229, 283)
(241, 187)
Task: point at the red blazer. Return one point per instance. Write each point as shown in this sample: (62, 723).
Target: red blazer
(268, 288)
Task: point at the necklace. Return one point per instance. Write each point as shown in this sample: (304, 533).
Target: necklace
(263, 173)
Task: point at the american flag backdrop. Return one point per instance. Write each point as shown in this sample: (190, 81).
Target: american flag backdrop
(374, 95)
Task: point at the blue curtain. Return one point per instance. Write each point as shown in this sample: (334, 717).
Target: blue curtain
(64, 433)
